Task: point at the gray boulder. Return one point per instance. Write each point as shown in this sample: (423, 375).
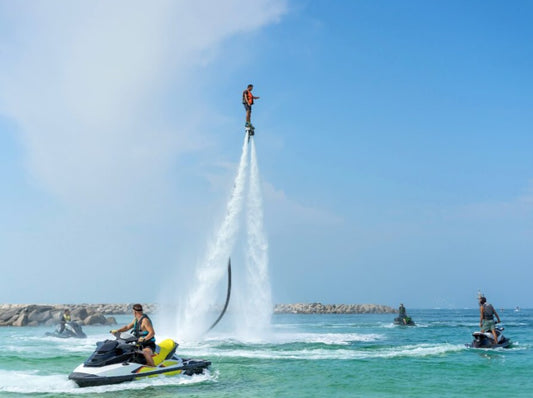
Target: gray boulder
(95, 319)
(40, 315)
(79, 313)
(22, 320)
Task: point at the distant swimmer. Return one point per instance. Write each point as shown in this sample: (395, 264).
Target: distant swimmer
(248, 101)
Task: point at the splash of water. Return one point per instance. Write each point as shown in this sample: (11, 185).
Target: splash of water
(251, 306)
(213, 268)
(258, 310)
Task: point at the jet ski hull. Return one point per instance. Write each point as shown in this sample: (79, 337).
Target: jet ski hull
(505, 343)
(70, 329)
(85, 376)
(486, 340)
(404, 321)
(66, 335)
(90, 380)
(120, 360)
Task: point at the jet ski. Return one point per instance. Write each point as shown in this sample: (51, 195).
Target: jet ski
(120, 360)
(70, 329)
(486, 340)
(404, 321)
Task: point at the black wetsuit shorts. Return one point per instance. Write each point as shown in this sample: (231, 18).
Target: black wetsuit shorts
(149, 344)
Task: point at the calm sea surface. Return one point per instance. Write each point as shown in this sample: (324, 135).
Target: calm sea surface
(305, 356)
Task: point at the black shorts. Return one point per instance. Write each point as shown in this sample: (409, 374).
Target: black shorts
(248, 107)
(149, 344)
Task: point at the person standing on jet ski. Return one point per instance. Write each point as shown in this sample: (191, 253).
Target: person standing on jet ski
(248, 101)
(401, 311)
(402, 314)
(143, 330)
(486, 317)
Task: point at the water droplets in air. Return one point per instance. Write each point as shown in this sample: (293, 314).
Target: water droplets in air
(251, 302)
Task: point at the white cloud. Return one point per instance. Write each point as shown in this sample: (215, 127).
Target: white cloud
(86, 82)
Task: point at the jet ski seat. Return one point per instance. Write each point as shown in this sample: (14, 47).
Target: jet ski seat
(167, 348)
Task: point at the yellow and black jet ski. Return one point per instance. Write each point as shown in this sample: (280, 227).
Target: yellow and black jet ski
(120, 360)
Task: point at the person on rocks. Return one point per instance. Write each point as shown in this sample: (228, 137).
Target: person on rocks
(143, 330)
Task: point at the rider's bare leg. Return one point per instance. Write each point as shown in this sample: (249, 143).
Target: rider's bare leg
(148, 356)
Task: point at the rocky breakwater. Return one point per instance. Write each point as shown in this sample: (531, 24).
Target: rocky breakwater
(319, 308)
(42, 314)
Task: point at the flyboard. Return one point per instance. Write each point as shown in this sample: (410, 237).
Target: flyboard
(250, 130)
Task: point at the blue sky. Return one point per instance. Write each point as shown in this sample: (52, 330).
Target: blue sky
(394, 143)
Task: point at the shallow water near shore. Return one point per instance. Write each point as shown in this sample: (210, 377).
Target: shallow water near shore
(360, 355)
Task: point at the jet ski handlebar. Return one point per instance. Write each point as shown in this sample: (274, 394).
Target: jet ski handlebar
(124, 336)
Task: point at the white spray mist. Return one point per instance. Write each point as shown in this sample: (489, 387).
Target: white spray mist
(258, 311)
(213, 269)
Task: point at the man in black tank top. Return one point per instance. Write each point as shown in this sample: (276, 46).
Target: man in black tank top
(486, 318)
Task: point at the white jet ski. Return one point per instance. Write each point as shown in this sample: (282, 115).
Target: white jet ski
(120, 360)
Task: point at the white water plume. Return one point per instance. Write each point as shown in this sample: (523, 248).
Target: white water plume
(258, 308)
(213, 269)
(251, 301)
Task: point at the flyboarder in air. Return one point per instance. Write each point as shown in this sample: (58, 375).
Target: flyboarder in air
(248, 101)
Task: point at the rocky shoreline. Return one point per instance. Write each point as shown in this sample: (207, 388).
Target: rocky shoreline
(319, 308)
(50, 314)
(101, 314)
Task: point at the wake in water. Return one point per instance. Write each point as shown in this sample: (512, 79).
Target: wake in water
(306, 355)
(31, 382)
(253, 306)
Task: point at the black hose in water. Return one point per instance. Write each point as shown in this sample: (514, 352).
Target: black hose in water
(228, 294)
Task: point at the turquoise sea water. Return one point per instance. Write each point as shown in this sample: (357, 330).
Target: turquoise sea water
(304, 356)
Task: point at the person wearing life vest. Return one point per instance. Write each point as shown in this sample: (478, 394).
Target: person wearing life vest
(143, 330)
(64, 319)
(66, 315)
(486, 317)
(402, 314)
(248, 101)
(401, 311)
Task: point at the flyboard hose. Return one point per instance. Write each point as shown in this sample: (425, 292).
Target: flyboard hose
(228, 294)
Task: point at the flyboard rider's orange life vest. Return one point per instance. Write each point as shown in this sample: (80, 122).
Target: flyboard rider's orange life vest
(247, 97)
